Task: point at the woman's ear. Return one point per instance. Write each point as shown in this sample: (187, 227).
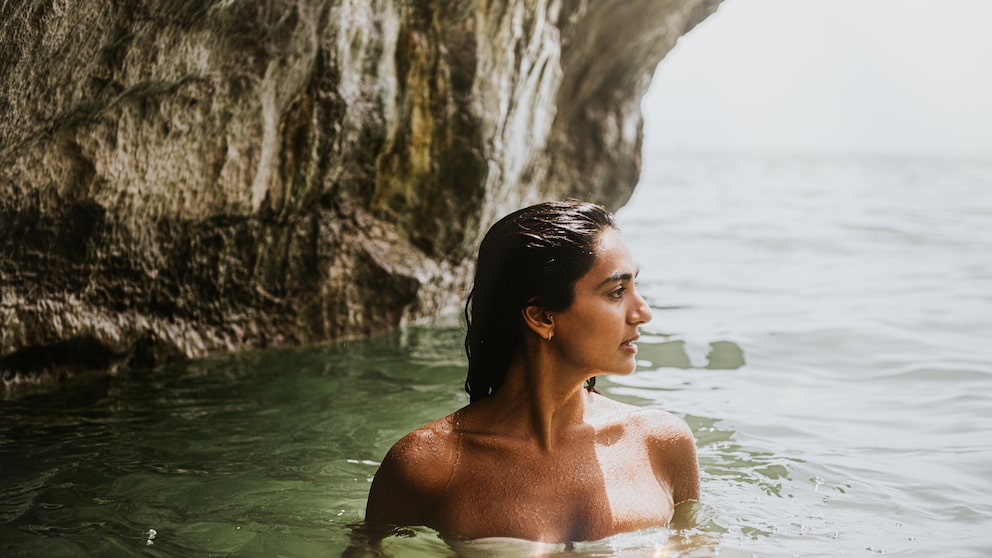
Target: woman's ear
(539, 320)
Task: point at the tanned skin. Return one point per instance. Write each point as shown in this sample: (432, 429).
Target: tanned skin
(543, 458)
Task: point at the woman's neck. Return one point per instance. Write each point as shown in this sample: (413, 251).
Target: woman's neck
(539, 402)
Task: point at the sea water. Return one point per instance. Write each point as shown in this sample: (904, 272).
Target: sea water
(824, 325)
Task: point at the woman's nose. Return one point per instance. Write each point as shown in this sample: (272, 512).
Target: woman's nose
(641, 313)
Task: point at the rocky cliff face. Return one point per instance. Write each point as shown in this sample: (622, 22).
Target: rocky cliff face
(179, 177)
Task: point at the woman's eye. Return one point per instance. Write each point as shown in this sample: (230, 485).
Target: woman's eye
(617, 293)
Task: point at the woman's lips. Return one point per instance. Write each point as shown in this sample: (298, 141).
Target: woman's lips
(629, 345)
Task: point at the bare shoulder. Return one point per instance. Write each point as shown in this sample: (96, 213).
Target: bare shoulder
(653, 424)
(673, 453)
(671, 447)
(413, 475)
(662, 427)
(420, 452)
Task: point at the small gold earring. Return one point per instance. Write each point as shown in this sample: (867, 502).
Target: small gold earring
(550, 335)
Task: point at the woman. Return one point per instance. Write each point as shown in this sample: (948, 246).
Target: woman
(538, 454)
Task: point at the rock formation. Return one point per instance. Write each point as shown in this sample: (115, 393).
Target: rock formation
(179, 176)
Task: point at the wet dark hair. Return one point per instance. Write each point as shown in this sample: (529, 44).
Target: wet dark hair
(531, 257)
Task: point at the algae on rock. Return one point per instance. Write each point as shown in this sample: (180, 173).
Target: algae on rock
(182, 177)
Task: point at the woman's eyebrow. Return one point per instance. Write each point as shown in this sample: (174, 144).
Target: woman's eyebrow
(618, 277)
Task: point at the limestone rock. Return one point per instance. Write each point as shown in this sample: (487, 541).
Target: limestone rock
(179, 177)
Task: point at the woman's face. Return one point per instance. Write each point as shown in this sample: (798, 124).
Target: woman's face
(597, 332)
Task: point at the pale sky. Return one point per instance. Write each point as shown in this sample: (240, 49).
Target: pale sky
(877, 76)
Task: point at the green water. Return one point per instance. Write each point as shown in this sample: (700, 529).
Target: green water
(264, 453)
(260, 454)
(270, 453)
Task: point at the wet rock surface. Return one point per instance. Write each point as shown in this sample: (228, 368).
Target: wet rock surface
(183, 177)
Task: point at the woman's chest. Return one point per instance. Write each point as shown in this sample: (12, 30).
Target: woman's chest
(583, 495)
